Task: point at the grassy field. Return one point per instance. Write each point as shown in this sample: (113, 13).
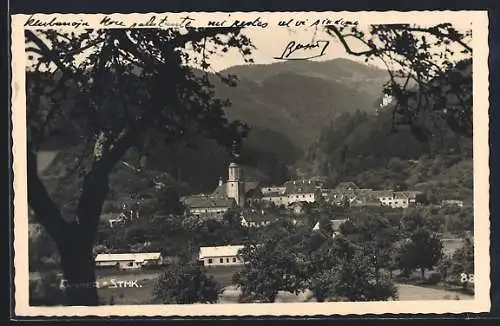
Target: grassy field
(128, 296)
(223, 275)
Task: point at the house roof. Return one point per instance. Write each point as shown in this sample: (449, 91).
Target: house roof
(219, 251)
(273, 190)
(383, 193)
(274, 194)
(248, 185)
(257, 217)
(300, 187)
(401, 195)
(335, 224)
(346, 185)
(138, 257)
(301, 203)
(204, 201)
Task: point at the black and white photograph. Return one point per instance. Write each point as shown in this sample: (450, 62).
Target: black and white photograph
(251, 163)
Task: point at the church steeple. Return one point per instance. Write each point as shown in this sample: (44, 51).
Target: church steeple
(235, 152)
(233, 181)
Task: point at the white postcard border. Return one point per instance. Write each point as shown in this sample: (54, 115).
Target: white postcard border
(481, 301)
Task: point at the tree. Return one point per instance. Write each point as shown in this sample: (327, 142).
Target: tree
(273, 262)
(183, 283)
(423, 251)
(430, 87)
(462, 265)
(342, 271)
(376, 236)
(444, 267)
(355, 280)
(46, 290)
(115, 90)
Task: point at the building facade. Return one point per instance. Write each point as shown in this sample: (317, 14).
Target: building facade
(220, 256)
(127, 261)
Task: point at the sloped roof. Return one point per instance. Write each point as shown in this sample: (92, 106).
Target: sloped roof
(346, 185)
(274, 194)
(202, 201)
(258, 217)
(383, 193)
(273, 189)
(334, 223)
(219, 251)
(138, 257)
(300, 187)
(250, 185)
(247, 186)
(337, 223)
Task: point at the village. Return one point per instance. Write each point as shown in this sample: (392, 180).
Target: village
(254, 202)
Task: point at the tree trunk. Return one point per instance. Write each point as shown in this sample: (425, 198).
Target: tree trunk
(422, 272)
(271, 297)
(78, 267)
(320, 297)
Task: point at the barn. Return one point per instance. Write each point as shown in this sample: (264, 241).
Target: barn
(129, 260)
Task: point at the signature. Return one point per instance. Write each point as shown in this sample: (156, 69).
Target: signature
(299, 51)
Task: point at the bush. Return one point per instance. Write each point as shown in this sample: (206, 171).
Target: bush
(433, 279)
(46, 291)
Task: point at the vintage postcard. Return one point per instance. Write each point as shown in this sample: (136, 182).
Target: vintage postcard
(247, 164)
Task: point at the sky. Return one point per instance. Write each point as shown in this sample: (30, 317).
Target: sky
(270, 42)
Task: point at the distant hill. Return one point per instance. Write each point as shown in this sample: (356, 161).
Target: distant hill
(298, 98)
(365, 78)
(286, 106)
(361, 148)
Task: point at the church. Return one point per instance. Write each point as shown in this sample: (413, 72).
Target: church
(237, 186)
(236, 191)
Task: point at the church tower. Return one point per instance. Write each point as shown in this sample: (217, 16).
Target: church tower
(234, 184)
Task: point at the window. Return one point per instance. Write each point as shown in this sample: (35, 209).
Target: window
(234, 260)
(227, 260)
(210, 260)
(130, 264)
(221, 260)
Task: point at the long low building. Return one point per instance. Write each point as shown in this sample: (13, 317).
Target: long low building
(220, 255)
(129, 260)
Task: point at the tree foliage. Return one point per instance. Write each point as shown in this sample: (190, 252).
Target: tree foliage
(133, 86)
(429, 69)
(183, 283)
(273, 263)
(423, 250)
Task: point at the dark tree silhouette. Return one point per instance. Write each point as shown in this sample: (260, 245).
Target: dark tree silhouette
(186, 283)
(116, 90)
(429, 68)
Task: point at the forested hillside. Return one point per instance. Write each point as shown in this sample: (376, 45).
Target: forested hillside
(361, 147)
(285, 105)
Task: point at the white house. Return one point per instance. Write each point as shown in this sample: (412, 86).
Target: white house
(220, 255)
(255, 220)
(302, 191)
(276, 198)
(208, 205)
(335, 226)
(273, 190)
(395, 200)
(129, 260)
(452, 202)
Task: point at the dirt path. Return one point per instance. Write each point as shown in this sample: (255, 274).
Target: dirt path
(412, 292)
(406, 293)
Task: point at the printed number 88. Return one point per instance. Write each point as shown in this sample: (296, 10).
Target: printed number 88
(464, 278)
